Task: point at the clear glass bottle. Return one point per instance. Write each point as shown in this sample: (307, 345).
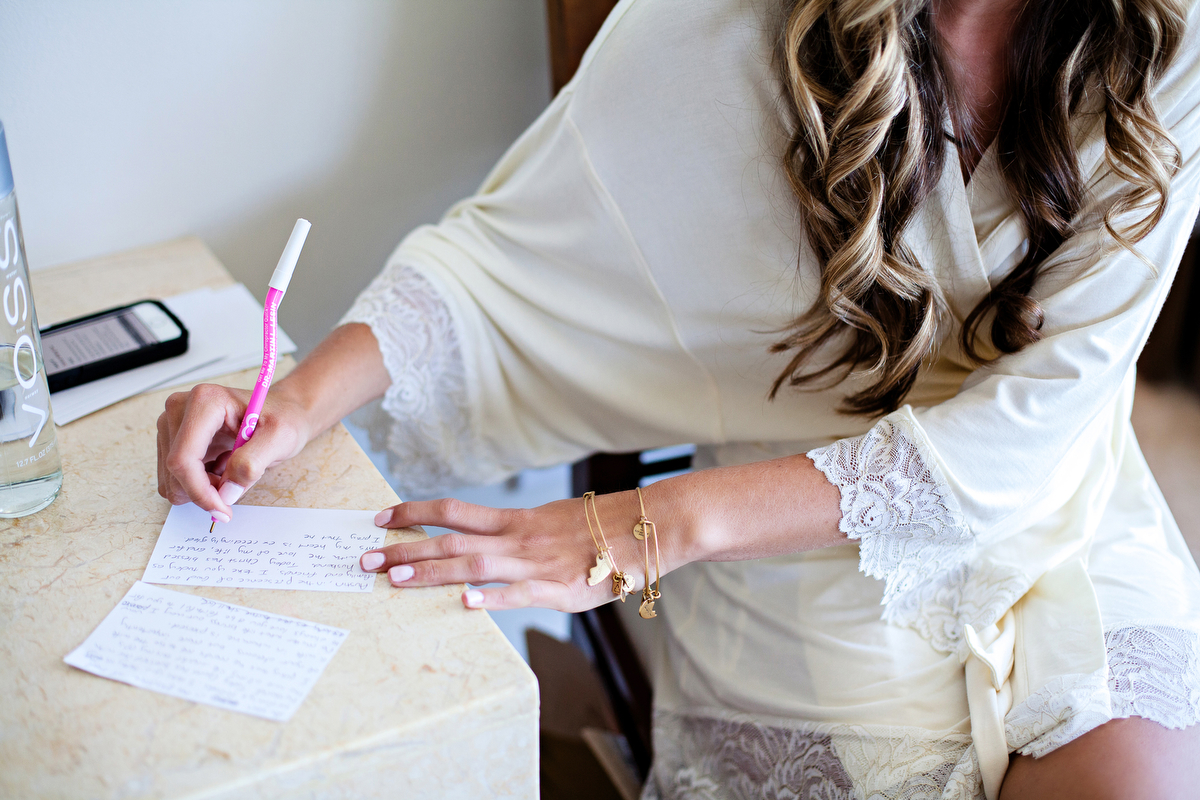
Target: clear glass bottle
(30, 466)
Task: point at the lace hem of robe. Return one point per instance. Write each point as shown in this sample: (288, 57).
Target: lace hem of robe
(1153, 672)
(711, 756)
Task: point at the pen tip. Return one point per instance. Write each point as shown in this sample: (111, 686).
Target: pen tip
(210, 527)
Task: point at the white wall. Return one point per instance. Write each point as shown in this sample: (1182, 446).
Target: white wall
(136, 121)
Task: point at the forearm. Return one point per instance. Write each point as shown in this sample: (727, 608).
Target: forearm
(545, 554)
(769, 508)
(343, 373)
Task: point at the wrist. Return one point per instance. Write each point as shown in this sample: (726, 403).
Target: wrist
(298, 407)
(682, 536)
(345, 371)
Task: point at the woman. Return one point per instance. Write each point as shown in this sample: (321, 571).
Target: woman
(949, 363)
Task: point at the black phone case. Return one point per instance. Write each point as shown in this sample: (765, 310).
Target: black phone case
(85, 373)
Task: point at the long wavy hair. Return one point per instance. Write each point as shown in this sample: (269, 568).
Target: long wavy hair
(867, 94)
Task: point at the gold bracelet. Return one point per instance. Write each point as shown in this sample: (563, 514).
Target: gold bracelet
(645, 530)
(622, 582)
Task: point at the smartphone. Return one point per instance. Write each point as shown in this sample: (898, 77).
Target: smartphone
(112, 341)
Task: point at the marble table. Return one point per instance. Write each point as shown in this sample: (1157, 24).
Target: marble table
(424, 698)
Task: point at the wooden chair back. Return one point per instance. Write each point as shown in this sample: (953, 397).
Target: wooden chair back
(572, 25)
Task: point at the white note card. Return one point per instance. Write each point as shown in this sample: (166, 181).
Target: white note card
(266, 547)
(209, 652)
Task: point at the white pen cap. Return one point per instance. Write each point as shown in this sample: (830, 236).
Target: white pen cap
(291, 254)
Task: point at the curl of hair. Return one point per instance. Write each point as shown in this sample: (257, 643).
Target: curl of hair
(867, 99)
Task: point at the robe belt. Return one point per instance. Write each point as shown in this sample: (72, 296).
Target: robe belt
(1061, 634)
(988, 665)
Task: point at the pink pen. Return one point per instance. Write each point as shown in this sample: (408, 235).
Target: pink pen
(275, 290)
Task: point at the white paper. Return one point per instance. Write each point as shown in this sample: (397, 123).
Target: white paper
(224, 335)
(209, 652)
(266, 547)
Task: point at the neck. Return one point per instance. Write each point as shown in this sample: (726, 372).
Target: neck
(977, 12)
(975, 35)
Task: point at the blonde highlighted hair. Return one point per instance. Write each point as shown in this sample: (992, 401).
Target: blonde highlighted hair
(867, 94)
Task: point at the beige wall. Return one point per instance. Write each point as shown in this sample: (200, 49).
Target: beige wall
(131, 122)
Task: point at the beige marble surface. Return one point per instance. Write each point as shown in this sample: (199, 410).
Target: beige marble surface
(424, 698)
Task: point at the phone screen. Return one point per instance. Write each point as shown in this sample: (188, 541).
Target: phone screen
(123, 331)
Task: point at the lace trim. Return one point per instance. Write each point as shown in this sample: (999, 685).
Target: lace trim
(1064, 709)
(912, 534)
(425, 422)
(978, 595)
(1153, 672)
(702, 757)
(895, 501)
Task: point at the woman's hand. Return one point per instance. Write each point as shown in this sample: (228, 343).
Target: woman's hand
(196, 433)
(544, 554)
(198, 428)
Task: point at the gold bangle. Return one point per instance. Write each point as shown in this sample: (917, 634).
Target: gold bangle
(645, 530)
(622, 582)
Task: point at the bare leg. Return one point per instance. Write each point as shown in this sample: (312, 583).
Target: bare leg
(1128, 759)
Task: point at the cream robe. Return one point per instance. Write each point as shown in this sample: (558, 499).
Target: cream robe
(614, 286)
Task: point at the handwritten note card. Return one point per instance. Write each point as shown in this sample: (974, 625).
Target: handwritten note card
(266, 548)
(209, 652)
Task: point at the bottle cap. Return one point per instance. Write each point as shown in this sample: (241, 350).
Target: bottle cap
(6, 180)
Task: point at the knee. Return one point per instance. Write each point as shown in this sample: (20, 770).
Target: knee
(1123, 759)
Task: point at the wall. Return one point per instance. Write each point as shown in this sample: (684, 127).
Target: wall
(131, 122)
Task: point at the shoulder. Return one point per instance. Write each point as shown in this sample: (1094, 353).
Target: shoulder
(663, 42)
(1177, 94)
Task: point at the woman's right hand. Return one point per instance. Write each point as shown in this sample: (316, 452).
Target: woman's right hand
(196, 433)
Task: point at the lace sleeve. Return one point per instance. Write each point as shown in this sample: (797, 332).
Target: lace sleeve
(912, 534)
(896, 504)
(425, 421)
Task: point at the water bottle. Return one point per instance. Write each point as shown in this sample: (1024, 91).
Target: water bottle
(30, 466)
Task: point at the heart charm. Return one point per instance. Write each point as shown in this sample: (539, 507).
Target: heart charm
(601, 570)
(646, 610)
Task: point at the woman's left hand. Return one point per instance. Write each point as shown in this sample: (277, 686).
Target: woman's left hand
(544, 554)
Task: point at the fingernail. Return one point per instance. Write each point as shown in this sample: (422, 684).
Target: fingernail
(473, 598)
(401, 573)
(220, 516)
(372, 561)
(230, 492)
(383, 517)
